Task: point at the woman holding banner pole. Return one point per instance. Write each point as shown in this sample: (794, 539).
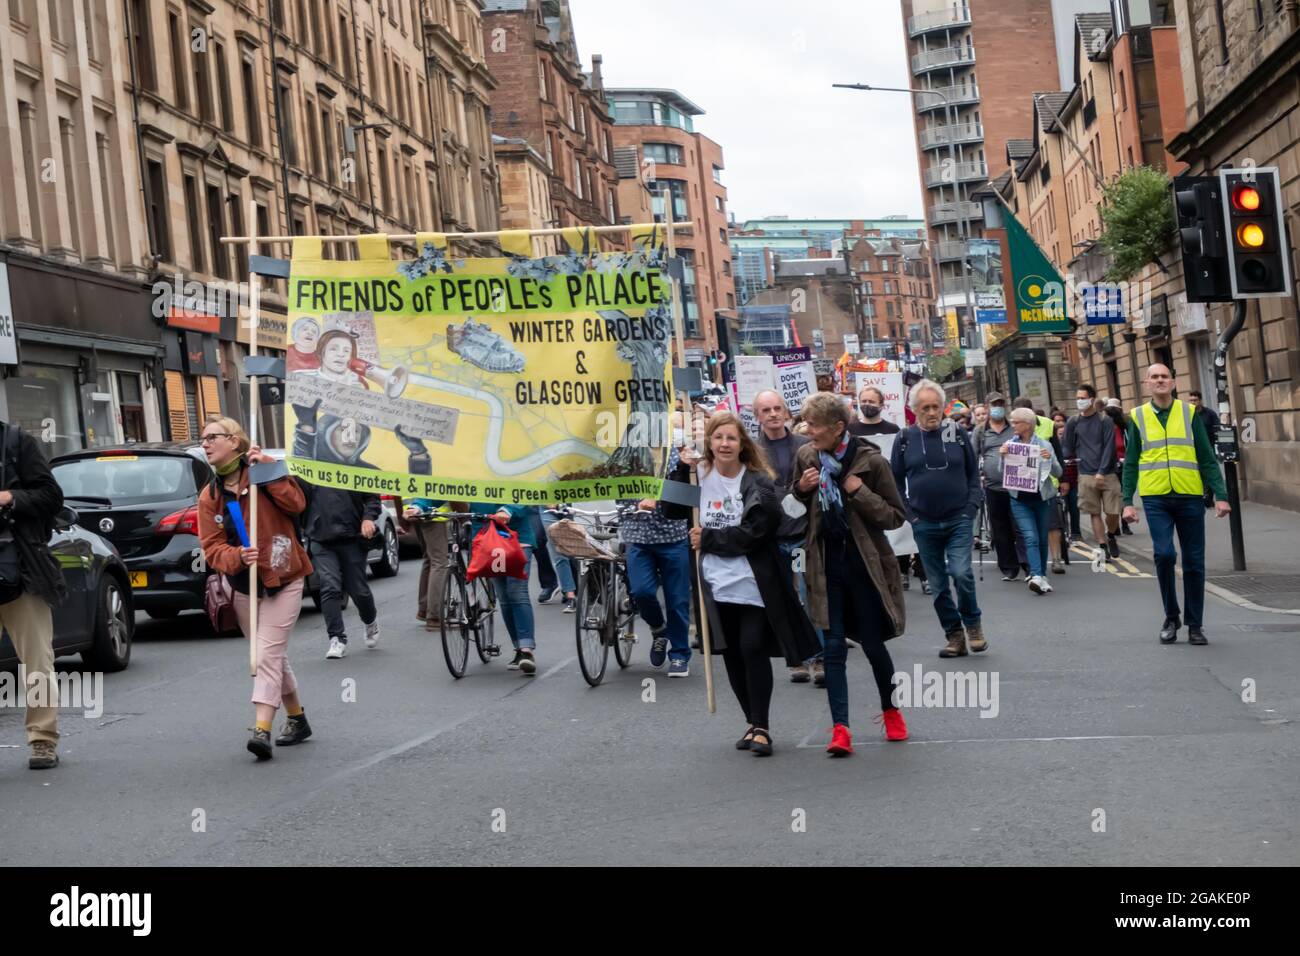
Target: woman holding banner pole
(753, 609)
(281, 565)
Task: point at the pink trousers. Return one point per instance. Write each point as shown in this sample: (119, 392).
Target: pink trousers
(276, 616)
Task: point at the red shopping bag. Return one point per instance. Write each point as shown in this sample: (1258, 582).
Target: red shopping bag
(496, 553)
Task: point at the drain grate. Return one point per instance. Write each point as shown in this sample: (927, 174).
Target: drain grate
(1258, 583)
(1267, 628)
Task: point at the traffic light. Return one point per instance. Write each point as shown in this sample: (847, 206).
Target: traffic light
(1199, 208)
(1258, 253)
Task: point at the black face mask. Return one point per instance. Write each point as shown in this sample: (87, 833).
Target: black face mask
(870, 411)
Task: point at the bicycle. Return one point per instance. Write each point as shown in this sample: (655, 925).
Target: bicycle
(604, 613)
(468, 607)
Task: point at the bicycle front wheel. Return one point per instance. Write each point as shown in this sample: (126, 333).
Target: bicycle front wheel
(455, 610)
(481, 599)
(625, 635)
(590, 623)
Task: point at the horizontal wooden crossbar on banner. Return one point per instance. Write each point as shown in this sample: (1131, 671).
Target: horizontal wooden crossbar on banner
(594, 230)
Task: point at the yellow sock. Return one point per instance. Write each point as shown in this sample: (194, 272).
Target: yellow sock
(294, 711)
(264, 725)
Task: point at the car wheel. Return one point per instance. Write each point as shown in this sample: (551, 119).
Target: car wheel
(111, 647)
(389, 561)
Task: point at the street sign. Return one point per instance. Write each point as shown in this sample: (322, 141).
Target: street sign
(851, 344)
(976, 358)
(1103, 303)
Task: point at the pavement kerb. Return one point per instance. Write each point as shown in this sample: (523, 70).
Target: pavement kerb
(1232, 597)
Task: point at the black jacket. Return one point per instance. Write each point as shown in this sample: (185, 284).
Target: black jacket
(790, 633)
(335, 516)
(37, 499)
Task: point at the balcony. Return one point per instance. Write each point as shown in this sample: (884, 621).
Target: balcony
(961, 172)
(950, 250)
(945, 56)
(956, 286)
(937, 136)
(958, 95)
(938, 20)
(952, 212)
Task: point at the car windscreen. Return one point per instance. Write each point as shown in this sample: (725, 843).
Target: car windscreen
(126, 479)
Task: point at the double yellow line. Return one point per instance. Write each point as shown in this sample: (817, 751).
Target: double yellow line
(1130, 571)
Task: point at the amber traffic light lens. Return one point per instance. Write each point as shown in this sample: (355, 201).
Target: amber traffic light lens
(1250, 235)
(1245, 197)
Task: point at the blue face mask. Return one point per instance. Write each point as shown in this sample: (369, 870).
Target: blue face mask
(997, 414)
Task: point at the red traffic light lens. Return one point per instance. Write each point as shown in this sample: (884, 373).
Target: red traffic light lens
(1245, 198)
(1250, 235)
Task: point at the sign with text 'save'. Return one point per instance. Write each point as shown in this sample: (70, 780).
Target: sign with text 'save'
(8, 338)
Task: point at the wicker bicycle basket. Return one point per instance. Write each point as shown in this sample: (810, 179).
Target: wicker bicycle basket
(572, 540)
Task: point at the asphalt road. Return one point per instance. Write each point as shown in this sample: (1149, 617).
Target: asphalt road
(1093, 716)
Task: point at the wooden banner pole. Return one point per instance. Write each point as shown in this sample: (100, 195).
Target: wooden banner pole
(629, 228)
(254, 414)
(679, 333)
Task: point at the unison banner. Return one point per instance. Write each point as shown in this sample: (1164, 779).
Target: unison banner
(517, 380)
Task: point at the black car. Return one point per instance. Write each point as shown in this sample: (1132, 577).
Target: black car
(144, 499)
(98, 617)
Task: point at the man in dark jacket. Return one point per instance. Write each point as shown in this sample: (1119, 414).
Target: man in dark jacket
(936, 470)
(336, 523)
(30, 581)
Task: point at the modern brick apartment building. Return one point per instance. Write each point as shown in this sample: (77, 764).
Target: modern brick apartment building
(544, 98)
(659, 124)
(984, 57)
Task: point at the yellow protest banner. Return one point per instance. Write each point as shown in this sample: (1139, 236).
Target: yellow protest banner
(517, 380)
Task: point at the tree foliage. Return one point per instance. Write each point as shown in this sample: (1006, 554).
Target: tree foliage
(1137, 220)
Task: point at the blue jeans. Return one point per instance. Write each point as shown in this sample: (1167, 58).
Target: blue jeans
(945, 548)
(1165, 514)
(669, 565)
(787, 549)
(1031, 516)
(516, 606)
(563, 566)
(849, 587)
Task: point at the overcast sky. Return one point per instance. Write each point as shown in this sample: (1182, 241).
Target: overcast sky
(762, 72)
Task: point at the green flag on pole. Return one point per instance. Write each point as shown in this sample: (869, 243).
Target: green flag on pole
(1040, 291)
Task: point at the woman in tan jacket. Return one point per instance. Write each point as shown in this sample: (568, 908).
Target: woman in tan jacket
(854, 586)
(282, 566)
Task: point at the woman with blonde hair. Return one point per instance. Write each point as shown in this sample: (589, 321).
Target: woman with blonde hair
(754, 612)
(282, 566)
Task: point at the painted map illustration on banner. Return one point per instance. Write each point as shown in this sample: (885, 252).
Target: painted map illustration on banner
(516, 380)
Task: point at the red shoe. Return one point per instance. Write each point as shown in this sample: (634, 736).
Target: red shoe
(841, 744)
(895, 728)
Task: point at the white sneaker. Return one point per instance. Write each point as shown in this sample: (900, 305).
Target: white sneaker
(1036, 584)
(337, 649)
(372, 634)
(1047, 585)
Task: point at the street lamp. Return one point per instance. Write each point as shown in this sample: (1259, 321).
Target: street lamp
(963, 226)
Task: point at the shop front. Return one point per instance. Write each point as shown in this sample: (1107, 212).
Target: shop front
(83, 365)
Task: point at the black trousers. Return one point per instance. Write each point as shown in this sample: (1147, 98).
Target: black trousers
(1006, 541)
(341, 566)
(749, 669)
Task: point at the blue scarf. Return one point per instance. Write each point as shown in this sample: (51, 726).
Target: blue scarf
(828, 487)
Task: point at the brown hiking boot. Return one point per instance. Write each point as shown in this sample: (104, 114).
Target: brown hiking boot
(44, 756)
(975, 635)
(956, 644)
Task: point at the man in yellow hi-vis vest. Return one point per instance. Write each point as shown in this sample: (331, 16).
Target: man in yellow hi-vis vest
(1170, 462)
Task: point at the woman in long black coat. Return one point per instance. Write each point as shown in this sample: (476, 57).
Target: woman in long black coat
(749, 595)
